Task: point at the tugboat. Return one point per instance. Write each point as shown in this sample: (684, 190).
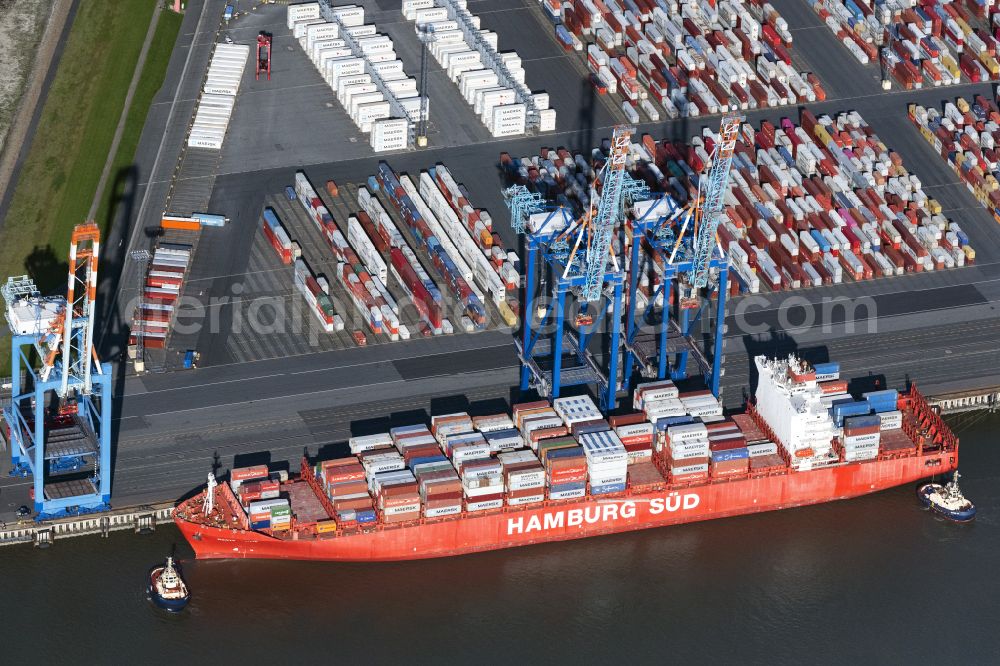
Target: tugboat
(948, 500)
(167, 589)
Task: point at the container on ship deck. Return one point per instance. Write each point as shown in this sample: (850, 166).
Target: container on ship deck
(346, 488)
(891, 420)
(587, 427)
(442, 508)
(526, 496)
(366, 516)
(626, 419)
(355, 503)
(607, 488)
(882, 401)
(762, 449)
(683, 433)
(833, 387)
(492, 423)
(326, 526)
(504, 440)
(369, 442)
(767, 463)
(564, 491)
(248, 473)
(642, 429)
(844, 409)
(485, 503)
(730, 467)
(549, 446)
(638, 453)
(689, 465)
(541, 434)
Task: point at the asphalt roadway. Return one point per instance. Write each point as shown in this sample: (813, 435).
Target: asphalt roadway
(938, 329)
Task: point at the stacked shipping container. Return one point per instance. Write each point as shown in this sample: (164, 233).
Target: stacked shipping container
(565, 450)
(377, 309)
(967, 136)
(456, 275)
(809, 204)
(479, 81)
(933, 42)
(690, 58)
(167, 271)
(218, 96)
(352, 72)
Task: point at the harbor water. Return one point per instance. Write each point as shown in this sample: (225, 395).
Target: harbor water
(872, 580)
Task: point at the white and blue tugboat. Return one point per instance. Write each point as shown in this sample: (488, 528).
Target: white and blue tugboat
(167, 589)
(948, 500)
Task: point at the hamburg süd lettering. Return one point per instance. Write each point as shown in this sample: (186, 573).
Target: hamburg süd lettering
(600, 513)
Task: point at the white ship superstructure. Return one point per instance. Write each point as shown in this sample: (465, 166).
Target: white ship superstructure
(790, 402)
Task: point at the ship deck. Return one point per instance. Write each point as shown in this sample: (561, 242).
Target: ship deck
(308, 508)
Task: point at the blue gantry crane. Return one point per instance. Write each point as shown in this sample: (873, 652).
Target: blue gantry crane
(59, 418)
(578, 260)
(679, 244)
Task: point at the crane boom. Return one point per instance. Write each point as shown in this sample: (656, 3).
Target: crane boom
(610, 208)
(715, 192)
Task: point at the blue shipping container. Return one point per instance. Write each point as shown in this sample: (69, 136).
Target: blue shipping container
(731, 454)
(366, 516)
(564, 487)
(827, 368)
(608, 488)
(261, 525)
(290, 192)
(842, 410)
(866, 421)
(568, 452)
(665, 422)
(425, 459)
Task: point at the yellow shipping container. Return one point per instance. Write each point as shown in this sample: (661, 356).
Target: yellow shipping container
(990, 63)
(822, 135)
(992, 183)
(326, 526)
(949, 63)
(970, 254)
(966, 29)
(933, 206)
(962, 105)
(508, 315)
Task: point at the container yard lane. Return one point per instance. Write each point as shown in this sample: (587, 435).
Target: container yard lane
(934, 326)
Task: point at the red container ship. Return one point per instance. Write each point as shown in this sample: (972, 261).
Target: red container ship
(467, 485)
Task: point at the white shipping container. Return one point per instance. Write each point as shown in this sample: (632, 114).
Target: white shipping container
(389, 134)
(302, 11)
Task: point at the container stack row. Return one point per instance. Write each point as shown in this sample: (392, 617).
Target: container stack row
(418, 287)
(463, 464)
(259, 493)
(811, 204)
(866, 425)
(278, 238)
(475, 75)
(472, 231)
(363, 283)
(449, 264)
(967, 136)
(931, 43)
(349, 64)
(685, 59)
(218, 96)
(167, 270)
